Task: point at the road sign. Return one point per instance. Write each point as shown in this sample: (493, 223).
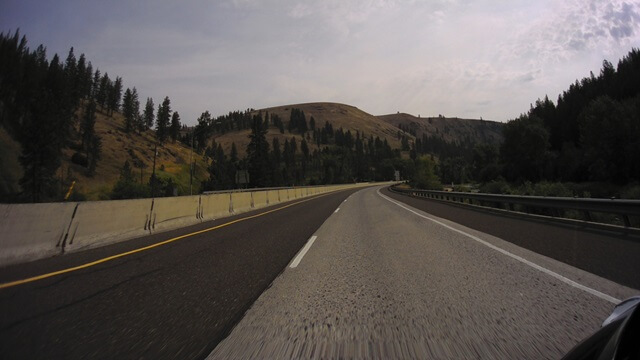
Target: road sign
(242, 177)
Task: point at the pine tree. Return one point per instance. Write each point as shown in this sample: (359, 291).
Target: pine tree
(81, 77)
(72, 75)
(286, 153)
(175, 126)
(305, 149)
(234, 153)
(277, 156)
(202, 132)
(40, 157)
(95, 84)
(127, 110)
(91, 142)
(164, 116)
(258, 154)
(103, 91)
(114, 95)
(127, 187)
(135, 111)
(148, 114)
(95, 150)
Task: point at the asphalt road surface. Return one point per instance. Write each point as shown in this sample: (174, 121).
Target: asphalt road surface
(385, 280)
(175, 301)
(371, 277)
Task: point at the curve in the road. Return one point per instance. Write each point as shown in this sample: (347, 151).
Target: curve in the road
(172, 301)
(379, 282)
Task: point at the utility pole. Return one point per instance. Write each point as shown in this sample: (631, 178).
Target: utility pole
(153, 175)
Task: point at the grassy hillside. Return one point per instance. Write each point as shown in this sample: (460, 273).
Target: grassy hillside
(339, 115)
(449, 129)
(173, 158)
(119, 146)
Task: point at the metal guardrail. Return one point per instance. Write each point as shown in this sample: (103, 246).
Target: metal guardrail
(552, 206)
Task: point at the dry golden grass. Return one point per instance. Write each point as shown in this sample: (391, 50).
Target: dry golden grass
(339, 115)
(173, 158)
(449, 129)
(119, 146)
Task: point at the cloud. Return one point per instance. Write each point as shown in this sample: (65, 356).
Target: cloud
(572, 27)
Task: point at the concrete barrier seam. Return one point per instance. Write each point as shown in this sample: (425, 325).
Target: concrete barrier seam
(75, 230)
(63, 237)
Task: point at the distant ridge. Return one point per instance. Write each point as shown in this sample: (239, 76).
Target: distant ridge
(339, 115)
(448, 129)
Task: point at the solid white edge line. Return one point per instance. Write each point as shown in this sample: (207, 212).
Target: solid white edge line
(302, 252)
(591, 291)
(338, 209)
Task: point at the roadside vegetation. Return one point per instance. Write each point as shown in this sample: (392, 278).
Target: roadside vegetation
(586, 144)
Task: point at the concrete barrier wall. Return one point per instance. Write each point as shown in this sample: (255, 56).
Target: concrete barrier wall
(291, 193)
(174, 212)
(33, 231)
(241, 202)
(260, 199)
(284, 195)
(215, 206)
(98, 223)
(274, 197)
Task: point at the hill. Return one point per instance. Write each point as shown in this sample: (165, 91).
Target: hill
(173, 158)
(117, 147)
(339, 115)
(448, 129)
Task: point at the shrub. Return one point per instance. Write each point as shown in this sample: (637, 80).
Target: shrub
(499, 186)
(79, 159)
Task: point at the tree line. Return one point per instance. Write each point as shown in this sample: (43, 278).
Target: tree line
(340, 156)
(50, 105)
(591, 133)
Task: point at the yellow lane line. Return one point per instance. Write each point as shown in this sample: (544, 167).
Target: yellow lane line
(131, 252)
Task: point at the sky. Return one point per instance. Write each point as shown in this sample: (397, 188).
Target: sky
(470, 59)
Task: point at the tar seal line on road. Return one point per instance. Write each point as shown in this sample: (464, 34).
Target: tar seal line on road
(591, 291)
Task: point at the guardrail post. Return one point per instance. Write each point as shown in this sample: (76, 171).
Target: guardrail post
(587, 215)
(627, 223)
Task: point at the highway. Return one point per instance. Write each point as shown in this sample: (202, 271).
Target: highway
(353, 274)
